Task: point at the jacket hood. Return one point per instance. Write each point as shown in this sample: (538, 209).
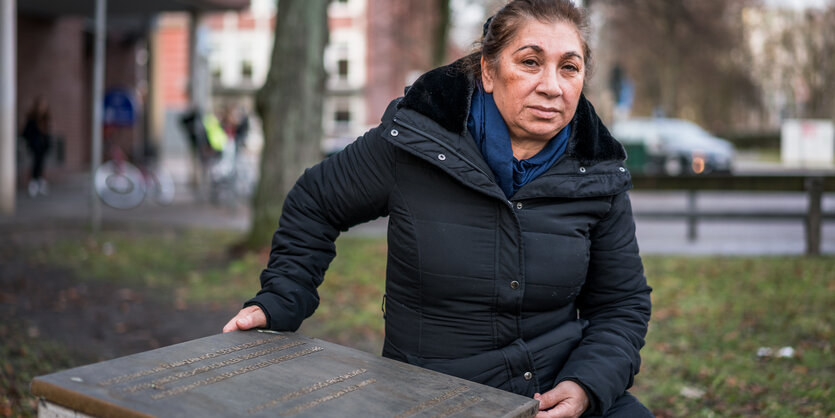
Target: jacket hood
(444, 95)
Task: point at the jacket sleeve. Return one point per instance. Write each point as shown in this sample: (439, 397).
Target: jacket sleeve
(344, 190)
(615, 301)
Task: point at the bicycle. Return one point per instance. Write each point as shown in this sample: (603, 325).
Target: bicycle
(122, 185)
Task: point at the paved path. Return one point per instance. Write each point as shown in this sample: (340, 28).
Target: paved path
(69, 204)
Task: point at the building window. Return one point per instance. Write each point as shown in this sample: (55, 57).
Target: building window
(342, 68)
(342, 116)
(246, 70)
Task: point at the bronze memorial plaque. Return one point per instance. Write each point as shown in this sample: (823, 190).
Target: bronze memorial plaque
(263, 373)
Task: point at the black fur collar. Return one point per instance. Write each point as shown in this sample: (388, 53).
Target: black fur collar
(444, 95)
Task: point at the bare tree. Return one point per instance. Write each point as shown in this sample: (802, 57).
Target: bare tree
(817, 70)
(441, 39)
(794, 61)
(687, 57)
(290, 106)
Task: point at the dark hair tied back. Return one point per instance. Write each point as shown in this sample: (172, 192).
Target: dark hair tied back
(486, 27)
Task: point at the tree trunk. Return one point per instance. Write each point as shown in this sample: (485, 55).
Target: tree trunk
(290, 107)
(441, 34)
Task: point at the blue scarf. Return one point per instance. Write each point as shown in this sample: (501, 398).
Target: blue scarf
(493, 139)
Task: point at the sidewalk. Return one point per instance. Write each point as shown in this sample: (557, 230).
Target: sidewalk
(69, 203)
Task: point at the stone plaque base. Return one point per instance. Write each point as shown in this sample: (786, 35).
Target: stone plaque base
(257, 373)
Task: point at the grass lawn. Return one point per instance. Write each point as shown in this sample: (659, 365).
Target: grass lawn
(718, 326)
(713, 348)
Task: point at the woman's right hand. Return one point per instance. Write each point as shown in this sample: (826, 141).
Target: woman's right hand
(248, 318)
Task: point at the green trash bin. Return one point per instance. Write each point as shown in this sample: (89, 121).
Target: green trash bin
(636, 158)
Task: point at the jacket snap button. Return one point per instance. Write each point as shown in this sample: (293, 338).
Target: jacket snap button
(528, 375)
(394, 132)
(441, 157)
(582, 169)
(519, 205)
(514, 284)
(622, 169)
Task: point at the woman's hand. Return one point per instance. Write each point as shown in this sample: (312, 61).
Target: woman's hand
(568, 399)
(247, 318)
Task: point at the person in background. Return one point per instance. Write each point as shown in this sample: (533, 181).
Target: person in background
(241, 128)
(36, 133)
(512, 256)
(228, 121)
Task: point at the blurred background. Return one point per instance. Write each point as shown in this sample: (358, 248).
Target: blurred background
(145, 149)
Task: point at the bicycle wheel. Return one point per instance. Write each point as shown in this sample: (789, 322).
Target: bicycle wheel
(160, 186)
(120, 185)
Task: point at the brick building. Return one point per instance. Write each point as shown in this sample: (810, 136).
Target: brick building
(53, 55)
(51, 64)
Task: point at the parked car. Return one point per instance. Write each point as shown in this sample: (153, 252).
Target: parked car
(673, 147)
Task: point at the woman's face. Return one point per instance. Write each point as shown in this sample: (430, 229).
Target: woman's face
(538, 80)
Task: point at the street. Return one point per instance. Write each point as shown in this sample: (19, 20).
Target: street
(728, 236)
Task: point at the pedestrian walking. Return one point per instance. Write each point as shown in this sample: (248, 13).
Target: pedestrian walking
(37, 134)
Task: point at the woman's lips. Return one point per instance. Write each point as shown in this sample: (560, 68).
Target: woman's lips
(544, 111)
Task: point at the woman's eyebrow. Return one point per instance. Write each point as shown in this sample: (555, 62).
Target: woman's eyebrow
(535, 47)
(538, 49)
(571, 54)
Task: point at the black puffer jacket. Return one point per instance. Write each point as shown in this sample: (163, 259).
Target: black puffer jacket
(519, 294)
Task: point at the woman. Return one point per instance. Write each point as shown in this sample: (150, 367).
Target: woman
(38, 140)
(512, 255)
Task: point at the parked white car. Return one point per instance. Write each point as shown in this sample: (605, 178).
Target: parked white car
(673, 147)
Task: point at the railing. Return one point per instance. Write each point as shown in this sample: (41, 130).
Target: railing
(815, 185)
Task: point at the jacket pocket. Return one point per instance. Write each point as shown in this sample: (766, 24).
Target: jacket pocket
(551, 350)
(486, 368)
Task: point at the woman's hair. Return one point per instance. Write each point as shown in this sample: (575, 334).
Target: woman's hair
(500, 29)
(39, 112)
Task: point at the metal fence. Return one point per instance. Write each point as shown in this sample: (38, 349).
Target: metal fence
(815, 185)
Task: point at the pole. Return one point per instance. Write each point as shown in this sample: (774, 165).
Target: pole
(98, 104)
(692, 218)
(814, 215)
(8, 142)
